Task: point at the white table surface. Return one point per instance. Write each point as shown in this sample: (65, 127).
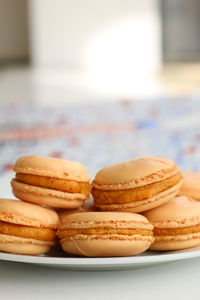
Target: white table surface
(178, 280)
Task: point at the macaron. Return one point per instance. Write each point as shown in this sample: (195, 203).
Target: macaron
(26, 228)
(136, 185)
(98, 234)
(191, 185)
(176, 224)
(51, 181)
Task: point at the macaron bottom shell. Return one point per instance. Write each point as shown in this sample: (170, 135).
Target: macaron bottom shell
(18, 245)
(179, 242)
(106, 247)
(42, 196)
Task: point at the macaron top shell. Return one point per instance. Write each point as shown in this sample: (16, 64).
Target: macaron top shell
(177, 213)
(135, 173)
(90, 219)
(18, 212)
(51, 167)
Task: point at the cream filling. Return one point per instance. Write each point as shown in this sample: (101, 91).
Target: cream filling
(135, 204)
(182, 237)
(115, 224)
(135, 237)
(40, 191)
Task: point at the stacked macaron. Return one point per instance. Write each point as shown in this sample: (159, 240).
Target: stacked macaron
(50, 181)
(134, 208)
(136, 185)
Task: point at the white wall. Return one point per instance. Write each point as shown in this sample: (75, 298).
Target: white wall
(62, 30)
(114, 42)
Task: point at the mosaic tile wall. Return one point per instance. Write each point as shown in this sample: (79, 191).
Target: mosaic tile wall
(100, 134)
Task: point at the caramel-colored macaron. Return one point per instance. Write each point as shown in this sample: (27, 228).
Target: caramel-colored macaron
(26, 228)
(191, 185)
(105, 234)
(136, 185)
(50, 181)
(176, 224)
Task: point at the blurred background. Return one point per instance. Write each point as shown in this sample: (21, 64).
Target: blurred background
(71, 50)
(100, 81)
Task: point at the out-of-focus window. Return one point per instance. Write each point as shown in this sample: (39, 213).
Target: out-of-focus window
(13, 30)
(181, 25)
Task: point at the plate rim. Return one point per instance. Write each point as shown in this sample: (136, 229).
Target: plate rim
(99, 261)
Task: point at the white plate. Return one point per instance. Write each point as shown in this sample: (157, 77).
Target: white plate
(146, 259)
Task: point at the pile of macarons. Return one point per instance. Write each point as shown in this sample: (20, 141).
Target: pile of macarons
(129, 207)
